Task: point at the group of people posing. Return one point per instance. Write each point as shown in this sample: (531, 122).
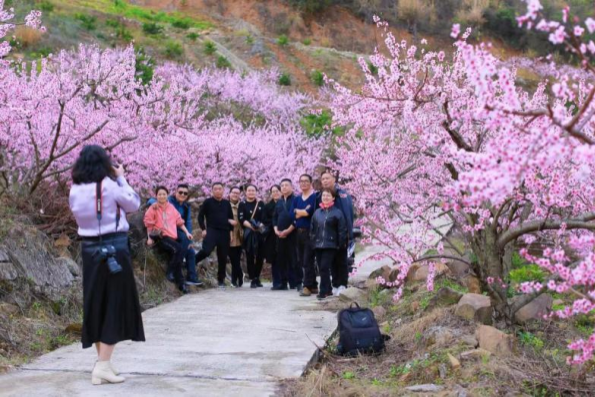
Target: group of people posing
(296, 234)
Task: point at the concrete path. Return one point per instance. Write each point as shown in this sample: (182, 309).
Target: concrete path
(213, 343)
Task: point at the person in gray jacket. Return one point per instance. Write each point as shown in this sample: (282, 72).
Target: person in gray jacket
(328, 231)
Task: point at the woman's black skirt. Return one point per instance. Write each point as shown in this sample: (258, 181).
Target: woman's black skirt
(111, 310)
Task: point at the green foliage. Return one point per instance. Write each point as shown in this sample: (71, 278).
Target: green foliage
(316, 125)
(182, 23)
(285, 79)
(145, 66)
(113, 23)
(223, 62)
(152, 28)
(192, 36)
(348, 375)
(45, 6)
(311, 6)
(87, 21)
(249, 39)
(529, 272)
(173, 49)
(448, 283)
(373, 68)
(528, 339)
(307, 41)
(283, 40)
(317, 78)
(124, 34)
(210, 47)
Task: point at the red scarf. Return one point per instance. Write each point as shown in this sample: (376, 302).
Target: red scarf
(327, 206)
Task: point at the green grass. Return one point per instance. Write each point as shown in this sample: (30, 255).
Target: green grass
(222, 62)
(283, 40)
(285, 79)
(192, 36)
(87, 21)
(307, 41)
(210, 47)
(45, 6)
(528, 272)
(528, 339)
(142, 14)
(173, 49)
(348, 375)
(152, 28)
(317, 78)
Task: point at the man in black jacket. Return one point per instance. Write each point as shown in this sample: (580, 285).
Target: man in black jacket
(283, 222)
(219, 222)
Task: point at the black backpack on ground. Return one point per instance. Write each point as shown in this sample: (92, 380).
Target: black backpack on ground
(359, 332)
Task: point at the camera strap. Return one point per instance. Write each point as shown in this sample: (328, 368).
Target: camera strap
(99, 207)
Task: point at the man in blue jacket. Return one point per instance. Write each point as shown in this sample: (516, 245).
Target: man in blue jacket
(180, 201)
(343, 202)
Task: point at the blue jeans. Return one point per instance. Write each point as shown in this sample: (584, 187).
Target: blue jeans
(190, 257)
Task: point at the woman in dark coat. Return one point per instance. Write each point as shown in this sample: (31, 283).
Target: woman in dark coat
(251, 214)
(99, 198)
(271, 238)
(328, 231)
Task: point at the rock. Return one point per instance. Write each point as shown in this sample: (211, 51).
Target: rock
(453, 361)
(440, 336)
(383, 272)
(458, 268)
(8, 271)
(379, 312)
(494, 341)
(414, 306)
(9, 309)
(394, 274)
(469, 340)
(534, 310)
(428, 388)
(422, 273)
(75, 328)
(475, 354)
(442, 370)
(4, 256)
(370, 284)
(444, 297)
(472, 284)
(353, 295)
(72, 266)
(412, 270)
(475, 307)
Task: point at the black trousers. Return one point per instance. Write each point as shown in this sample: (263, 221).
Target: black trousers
(255, 261)
(305, 258)
(325, 259)
(235, 257)
(289, 270)
(219, 239)
(339, 270)
(176, 252)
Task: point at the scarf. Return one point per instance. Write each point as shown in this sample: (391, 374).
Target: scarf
(327, 206)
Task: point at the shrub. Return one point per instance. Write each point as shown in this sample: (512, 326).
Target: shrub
(46, 6)
(529, 272)
(249, 39)
(124, 34)
(210, 47)
(307, 41)
(183, 23)
(317, 78)
(152, 28)
(113, 23)
(87, 21)
(173, 49)
(26, 36)
(192, 36)
(145, 66)
(223, 62)
(285, 79)
(283, 40)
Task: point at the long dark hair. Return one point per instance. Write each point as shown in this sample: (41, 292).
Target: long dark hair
(92, 166)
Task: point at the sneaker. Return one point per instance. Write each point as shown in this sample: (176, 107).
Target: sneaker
(192, 282)
(280, 288)
(221, 285)
(183, 289)
(324, 296)
(258, 283)
(314, 290)
(305, 292)
(253, 284)
(341, 289)
(335, 292)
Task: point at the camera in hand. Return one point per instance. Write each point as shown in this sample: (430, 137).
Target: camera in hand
(107, 253)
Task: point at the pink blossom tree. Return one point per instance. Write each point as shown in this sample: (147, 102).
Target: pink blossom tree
(433, 138)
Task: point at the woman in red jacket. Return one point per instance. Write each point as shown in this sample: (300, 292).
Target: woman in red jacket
(162, 220)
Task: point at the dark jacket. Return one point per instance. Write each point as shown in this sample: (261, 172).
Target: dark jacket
(328, 229)
(216, 213)
(282, 217)
(344, 203)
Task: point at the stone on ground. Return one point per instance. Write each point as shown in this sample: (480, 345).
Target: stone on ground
(383, 272)
(444, 297)
(428, 388)
(495, 341)
(353, 295)
(453, 361)
(422, 272)
(475, 307)
(535, 310)
(475, 354)
(379, 312)
(472, 284)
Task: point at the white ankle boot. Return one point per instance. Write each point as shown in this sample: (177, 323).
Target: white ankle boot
(113, 369)
(102, 373)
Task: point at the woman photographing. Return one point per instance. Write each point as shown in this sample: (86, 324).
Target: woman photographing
(99, 198)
